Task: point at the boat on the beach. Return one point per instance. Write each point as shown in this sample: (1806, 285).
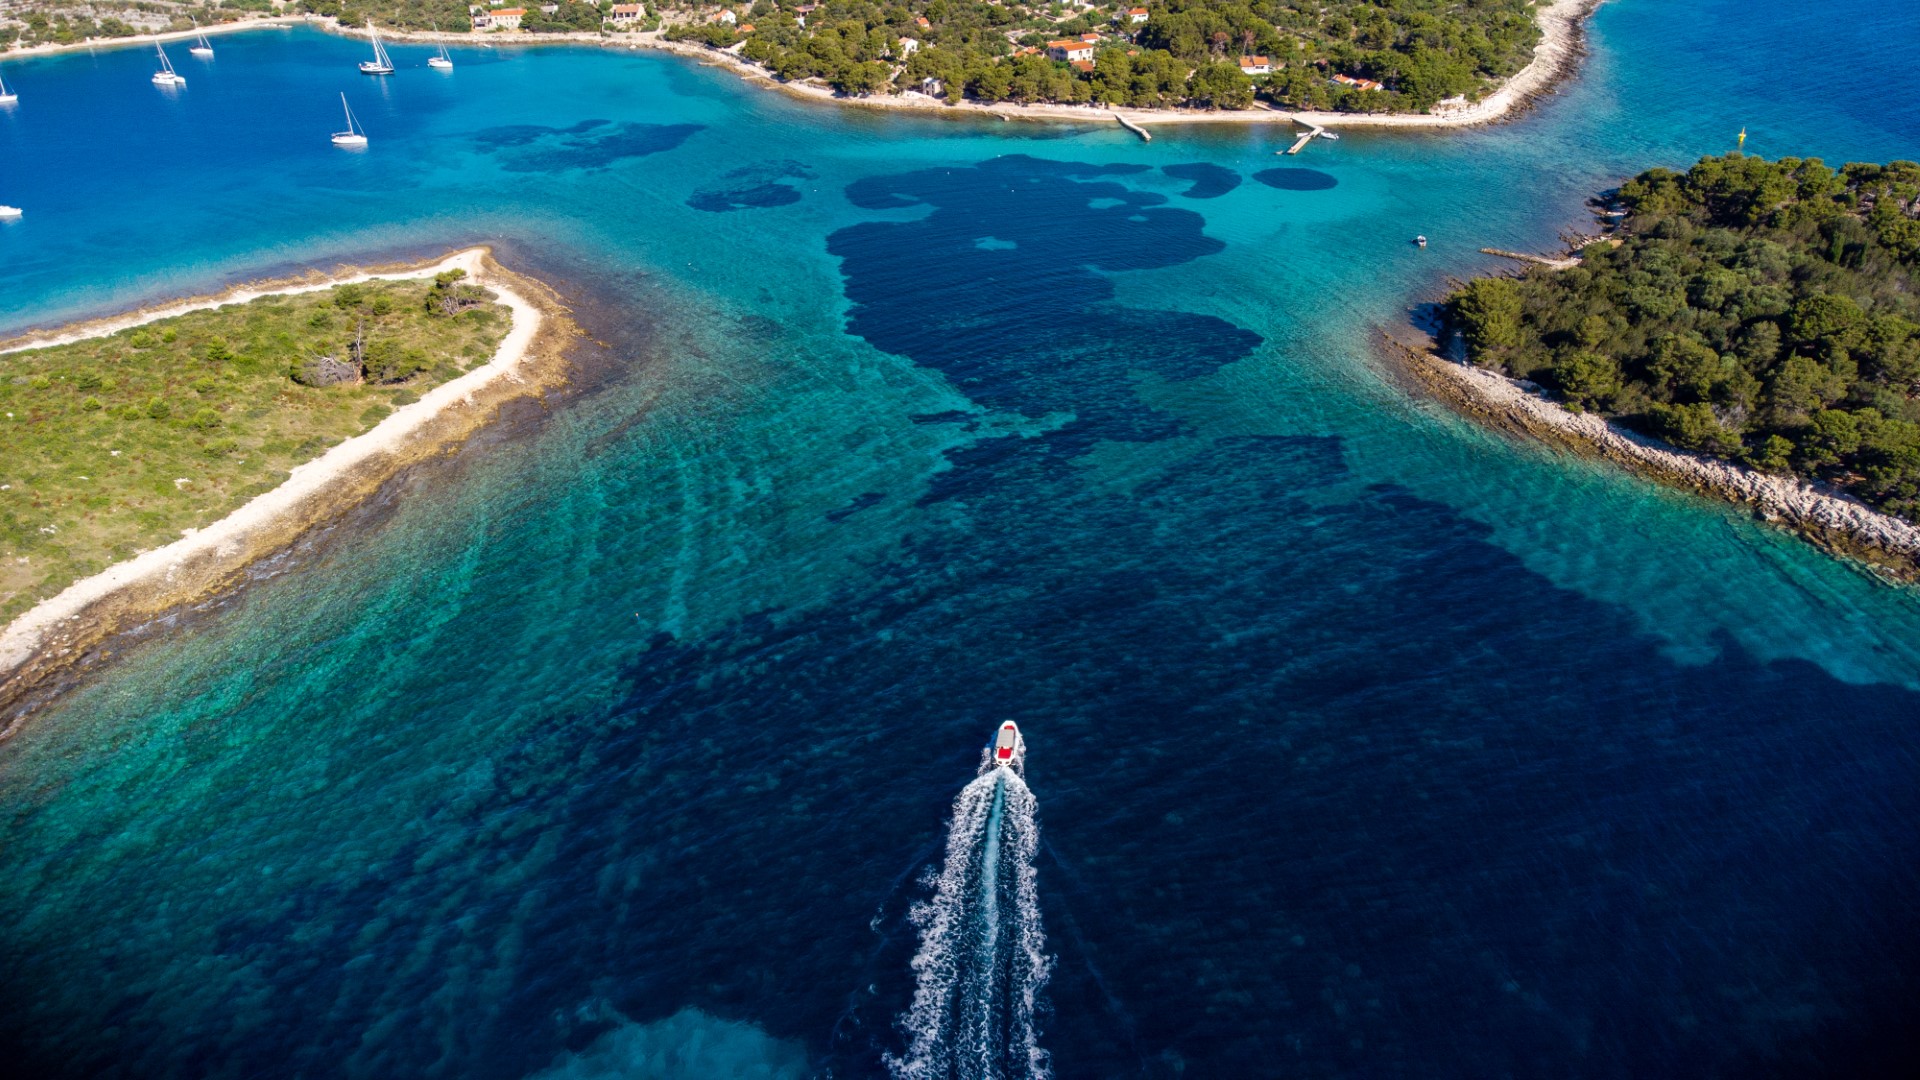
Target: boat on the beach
(1008, 746)
(166, 76)
(202, 48)
(381, 64)
(443, 61)
(355, 135)
(8, 213)
(7, 97)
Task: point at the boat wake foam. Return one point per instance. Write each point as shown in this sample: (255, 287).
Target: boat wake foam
(982, 960)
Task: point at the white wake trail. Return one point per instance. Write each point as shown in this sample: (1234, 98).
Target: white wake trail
(982, 960)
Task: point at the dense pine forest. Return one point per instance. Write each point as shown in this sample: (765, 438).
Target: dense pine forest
(1759, 311)
(1184, 52)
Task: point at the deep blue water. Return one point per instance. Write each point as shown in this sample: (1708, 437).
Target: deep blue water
(1365, 742)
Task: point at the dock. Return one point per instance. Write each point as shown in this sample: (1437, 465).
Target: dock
(1313, 131)
(1133, 127)
(1561, 263)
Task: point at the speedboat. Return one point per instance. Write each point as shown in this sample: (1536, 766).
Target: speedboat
(1420, 241)
(1008, 746)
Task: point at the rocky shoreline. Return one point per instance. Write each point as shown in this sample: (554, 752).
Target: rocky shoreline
(1834, 522)
(73, 628)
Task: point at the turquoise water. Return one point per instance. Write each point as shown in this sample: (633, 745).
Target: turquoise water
(1365, 742)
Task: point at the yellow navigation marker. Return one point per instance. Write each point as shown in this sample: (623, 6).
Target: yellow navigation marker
(1743, 140)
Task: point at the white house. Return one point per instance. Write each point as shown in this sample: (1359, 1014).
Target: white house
(626, 13)
(1136, 16)
(726, 17)
(499, 19)
(1070, 49)
(1256, 65)
(908, 47)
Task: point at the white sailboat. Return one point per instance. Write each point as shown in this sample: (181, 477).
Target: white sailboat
(355, 135)
(166, 76)
(381, 64)
(7, 213)
(7, 97)
(443, 61)
(202, 48)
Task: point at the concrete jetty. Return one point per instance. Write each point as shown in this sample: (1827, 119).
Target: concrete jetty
(1561, 263)
(1133, 127)
(1313, 131)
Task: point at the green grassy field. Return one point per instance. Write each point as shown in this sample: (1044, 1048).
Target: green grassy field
(113, 446)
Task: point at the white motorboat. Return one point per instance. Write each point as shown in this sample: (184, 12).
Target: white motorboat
(1008, 747)
(443, 62)
(355, 135)
(381, 64)
(166, 76)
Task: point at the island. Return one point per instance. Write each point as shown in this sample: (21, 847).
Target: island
(1759, 315)
(153, 456)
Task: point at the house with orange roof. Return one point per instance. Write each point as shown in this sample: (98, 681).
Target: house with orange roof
(1070, 50)
(1136, 16)
(626, 13)
(500, 19)
(1256, 65)
(1357, 84)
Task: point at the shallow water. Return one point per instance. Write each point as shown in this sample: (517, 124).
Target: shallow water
(1365, 742)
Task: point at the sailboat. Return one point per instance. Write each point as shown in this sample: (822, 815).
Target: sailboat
(381, 64)
(9, 212)
(202, 48)
(355, 135)
(166, 76)
(7, 97)
(443, 61)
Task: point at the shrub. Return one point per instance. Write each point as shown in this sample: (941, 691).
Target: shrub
(140, 339)
(87, 380)
(39, 382)
(91, 403)
(204, 419)
(158, 409)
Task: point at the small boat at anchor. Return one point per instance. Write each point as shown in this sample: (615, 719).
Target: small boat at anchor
(1419, 241)
(381, 64)
(202, 48)
(7, 97)
(355, 136)
(166, 76)
(443, 62)
(8, 213)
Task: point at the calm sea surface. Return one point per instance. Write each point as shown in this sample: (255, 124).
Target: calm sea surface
(1364, 742)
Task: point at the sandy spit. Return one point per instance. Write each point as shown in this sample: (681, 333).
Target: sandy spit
(38, 646)
(1834, 521)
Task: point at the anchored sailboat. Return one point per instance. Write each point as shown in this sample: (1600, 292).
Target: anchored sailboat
(7, 97)
(202, 48)
(166, 76)
(9, 212)
(443, 61)
(355, 135)
(381, 64)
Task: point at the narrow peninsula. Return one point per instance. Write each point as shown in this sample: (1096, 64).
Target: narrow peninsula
(152, 457)
(1749, 327)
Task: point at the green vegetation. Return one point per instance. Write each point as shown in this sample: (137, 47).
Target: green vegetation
(69, 22)
(1186, 53)
(112, 446)
(1759, 311)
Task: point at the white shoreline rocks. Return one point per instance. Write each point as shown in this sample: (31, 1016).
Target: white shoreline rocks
(1836, 521)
